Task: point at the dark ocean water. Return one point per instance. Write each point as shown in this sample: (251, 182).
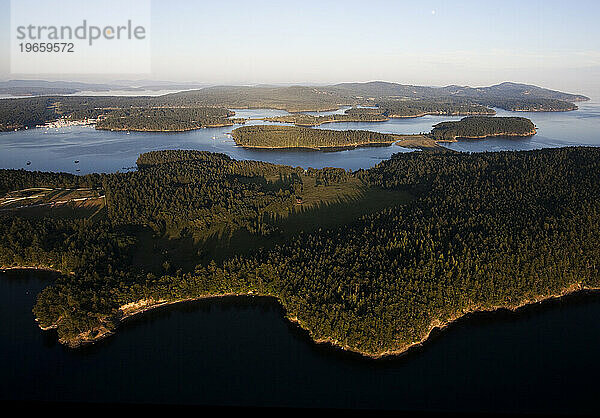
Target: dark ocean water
(241, 351)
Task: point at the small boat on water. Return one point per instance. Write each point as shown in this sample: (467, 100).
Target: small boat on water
(76, 161)
(28, 163)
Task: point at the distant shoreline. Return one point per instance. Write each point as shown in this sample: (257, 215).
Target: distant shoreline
(323, 148)
(195, 128)
(522, 135)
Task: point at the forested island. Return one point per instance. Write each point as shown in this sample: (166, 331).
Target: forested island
(387, 110)
(350, 115)
(475, 127)
(387, 100)
(269, 136)
(418, 108)
(531, 105)
(370, 261)
(273, 137)
(167, 119)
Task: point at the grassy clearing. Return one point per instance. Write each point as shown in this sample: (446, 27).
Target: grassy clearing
(42, 201)
(329, 206)
(421, 142)
(336, 204)
(321, 206)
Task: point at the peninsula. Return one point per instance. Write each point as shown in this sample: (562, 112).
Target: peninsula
(369, 261)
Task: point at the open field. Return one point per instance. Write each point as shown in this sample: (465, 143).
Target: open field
(422, 142)
(336, 205)
(41, 201)
(321, 207)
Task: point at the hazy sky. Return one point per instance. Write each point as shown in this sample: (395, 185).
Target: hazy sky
(554, 44)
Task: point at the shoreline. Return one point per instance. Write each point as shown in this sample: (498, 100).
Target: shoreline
(317, 148)
(144, 307)
(516, 135)
(441, 326)
(430, 143)
(4, 269)
(308, 125)
(102, 332)
(420, 115)
(384, 118)
(312, 125)
(223, 125)
(575, 107)
(438, 326)
(134, 309)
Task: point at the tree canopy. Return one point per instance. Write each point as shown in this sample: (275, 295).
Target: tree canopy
(482, 231)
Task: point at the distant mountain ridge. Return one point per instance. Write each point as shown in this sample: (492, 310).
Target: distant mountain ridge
(45, 88)
(507, 95)
(377, 89)
(388, 100)
(372, 89)
(48, 88)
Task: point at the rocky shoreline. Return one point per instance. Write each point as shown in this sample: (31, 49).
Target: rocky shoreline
(328, 148)
(4, 269)
(510, 134)
(440, 326)
(420, 115)
(136, 308)
(219, 125)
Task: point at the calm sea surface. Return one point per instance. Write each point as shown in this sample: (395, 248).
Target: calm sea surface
(241, 351)
(105, 151)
